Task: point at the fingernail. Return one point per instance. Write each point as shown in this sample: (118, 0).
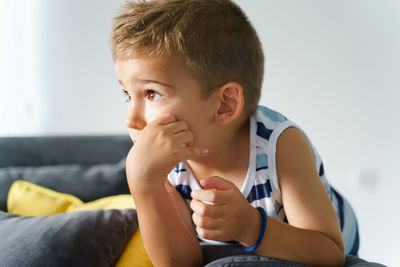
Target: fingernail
(205, 151)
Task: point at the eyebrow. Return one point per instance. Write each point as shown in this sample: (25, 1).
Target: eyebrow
(150, 81)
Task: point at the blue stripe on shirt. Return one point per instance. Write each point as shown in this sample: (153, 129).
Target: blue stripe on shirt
(261, 162)
(340, 207)
(260, 191)
(179, 168)
(263, 131)
(184, 190)
(271, 114)
(356, 245)
(321, 170)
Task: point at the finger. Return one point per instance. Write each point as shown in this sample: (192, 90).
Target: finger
(207, 222)
(216, 182)
(185, 138)
(191, 152)
(176, 127)
(204, 209)
(216, 197)
(165, 119)
(211, 234)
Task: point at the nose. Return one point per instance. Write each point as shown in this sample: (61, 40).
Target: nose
(135, 119)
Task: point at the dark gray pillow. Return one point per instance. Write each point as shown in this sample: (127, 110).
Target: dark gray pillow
(259, 261)
(84, 238)
(85, 182)
(251, 261)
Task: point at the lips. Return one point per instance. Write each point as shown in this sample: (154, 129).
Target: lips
(134, 138)
(134, 135)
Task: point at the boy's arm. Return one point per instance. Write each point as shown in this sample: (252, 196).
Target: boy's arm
(162, 220)
(312, 236)
(166, 237)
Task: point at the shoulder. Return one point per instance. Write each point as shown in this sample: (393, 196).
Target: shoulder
(289, 151)
(268, 125)
(294, 154)
(292, 142)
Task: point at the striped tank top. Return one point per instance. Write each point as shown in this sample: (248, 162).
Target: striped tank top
(261, 186)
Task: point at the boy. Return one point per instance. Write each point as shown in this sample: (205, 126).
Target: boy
(207, 162)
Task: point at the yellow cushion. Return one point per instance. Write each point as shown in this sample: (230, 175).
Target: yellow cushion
(28, 199)
(134, 253)
(112, 202)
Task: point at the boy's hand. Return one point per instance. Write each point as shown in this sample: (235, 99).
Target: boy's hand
(162, 144)
(229, 217)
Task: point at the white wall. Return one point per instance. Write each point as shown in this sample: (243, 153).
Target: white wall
(58, 76)
(331, 66)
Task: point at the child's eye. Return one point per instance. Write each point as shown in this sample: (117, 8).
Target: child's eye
(126, 94)
(152, 95)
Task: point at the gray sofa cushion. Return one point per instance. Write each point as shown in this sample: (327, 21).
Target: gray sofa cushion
(251, 261)
(85, 238)
(63, 150)
(85, 182)
(259, 261)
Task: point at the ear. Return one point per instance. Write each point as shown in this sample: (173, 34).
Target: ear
(230, 103)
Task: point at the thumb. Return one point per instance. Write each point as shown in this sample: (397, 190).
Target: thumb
(166, 119)
(216, 182)
(191, 152)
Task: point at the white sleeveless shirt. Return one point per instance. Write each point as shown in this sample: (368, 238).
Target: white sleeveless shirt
(261, 186)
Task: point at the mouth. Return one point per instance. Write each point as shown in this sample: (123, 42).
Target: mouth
(134, 136)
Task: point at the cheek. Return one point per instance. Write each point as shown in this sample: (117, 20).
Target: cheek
(180, 110)
(151, 113)
(154, 111)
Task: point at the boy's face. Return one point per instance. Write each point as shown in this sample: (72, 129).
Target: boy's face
(155, 86)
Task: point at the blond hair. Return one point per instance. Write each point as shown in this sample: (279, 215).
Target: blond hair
(213, 38)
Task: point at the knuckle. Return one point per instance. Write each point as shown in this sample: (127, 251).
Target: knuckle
(203, 210)
(199, 231)
(214, 196)
(199, 221)
(202, 222)
(158, 136)
(162, 134)
(203, 233)
(189, 134)
(182, 124)
(192, 205)
(194, 218)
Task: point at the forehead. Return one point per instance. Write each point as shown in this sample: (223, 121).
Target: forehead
(151, 68)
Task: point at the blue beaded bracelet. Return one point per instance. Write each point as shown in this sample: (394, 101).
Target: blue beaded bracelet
(262, 232)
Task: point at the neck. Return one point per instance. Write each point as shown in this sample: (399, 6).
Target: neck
(227, 158)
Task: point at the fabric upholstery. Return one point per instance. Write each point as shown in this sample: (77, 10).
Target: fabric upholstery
(29, 199)
(85, 238)
(88, 183)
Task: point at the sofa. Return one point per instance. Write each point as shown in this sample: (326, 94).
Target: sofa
(64, 201)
